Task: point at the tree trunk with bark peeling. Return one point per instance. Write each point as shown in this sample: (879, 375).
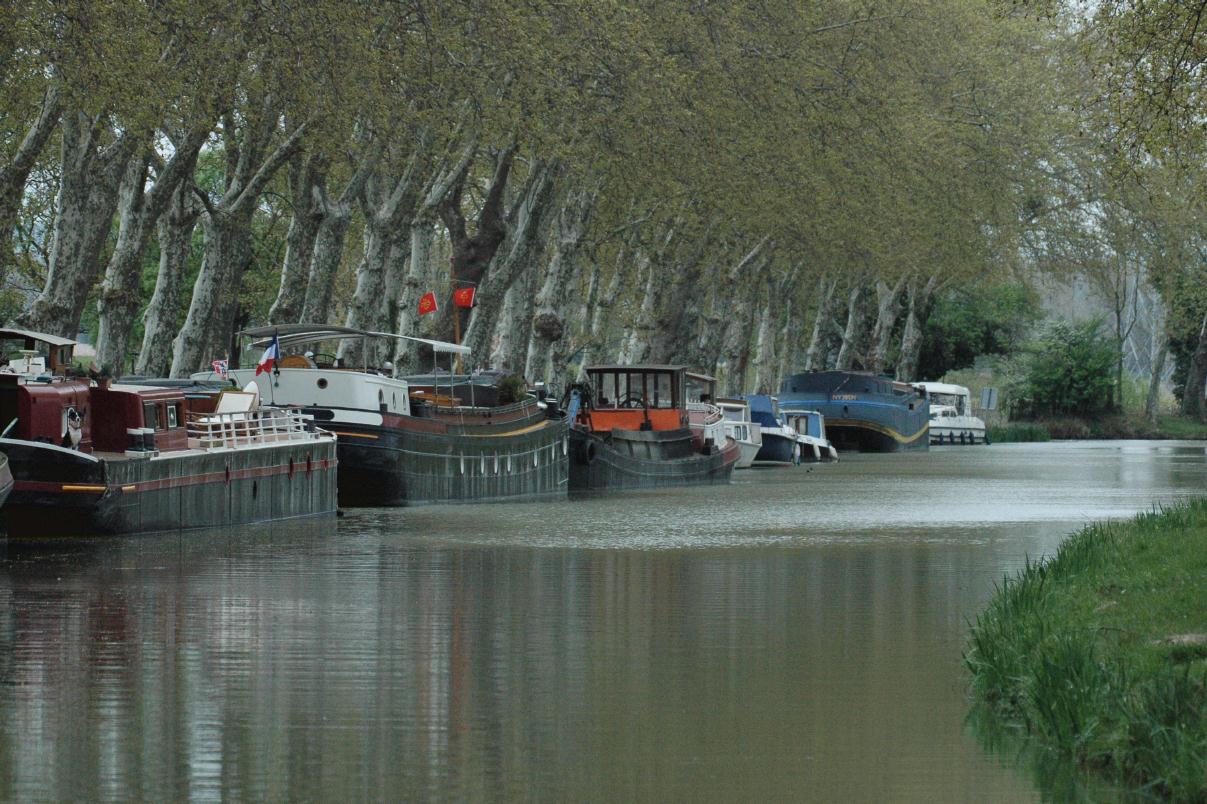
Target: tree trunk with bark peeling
(90, 175)
(911, 337)
(138, 211)
(162, 316)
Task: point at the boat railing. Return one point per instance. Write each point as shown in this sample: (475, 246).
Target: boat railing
(704, 413)
(250, 428)
(709, 419)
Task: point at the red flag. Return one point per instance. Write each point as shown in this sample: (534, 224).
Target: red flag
(463, 297)
(427, 304)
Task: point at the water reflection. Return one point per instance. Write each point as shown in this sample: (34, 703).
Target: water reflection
(795, 635)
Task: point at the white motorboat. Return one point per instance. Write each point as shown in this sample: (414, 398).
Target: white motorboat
(740, 428)
(951, 419)
(811, 442)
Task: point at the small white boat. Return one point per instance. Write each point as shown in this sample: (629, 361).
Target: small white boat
(811, 442)
(741, 429)
(951, 419)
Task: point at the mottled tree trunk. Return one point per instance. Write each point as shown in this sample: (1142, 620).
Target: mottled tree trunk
(888, 306)
(1160, 351)
(509, 346)
(305, 177)
(88, 184)
(524, 228)
(911, 336)
(388, 210)
(822, 321)
(1196, 377)
(212, 311)
(334, 217)
(407, 357)
(764, 341)
(600, 313)
(474, 255)
(740, 292)
(209, 323)
(548, 323)
(850, 335)
(138, 210)
(15, 172)
(162, 317)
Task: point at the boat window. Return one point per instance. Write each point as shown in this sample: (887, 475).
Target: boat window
(605, 389)
(150, 415)
(660, 391)
(173, 416)
(636, 394)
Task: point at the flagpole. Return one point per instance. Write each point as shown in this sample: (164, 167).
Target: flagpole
(452, 272)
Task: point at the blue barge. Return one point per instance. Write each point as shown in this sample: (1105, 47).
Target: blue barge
(863, 411)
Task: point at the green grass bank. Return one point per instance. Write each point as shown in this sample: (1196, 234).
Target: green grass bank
(1100, 653)
(1107, 427)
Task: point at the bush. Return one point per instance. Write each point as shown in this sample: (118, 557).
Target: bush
(1068, 371)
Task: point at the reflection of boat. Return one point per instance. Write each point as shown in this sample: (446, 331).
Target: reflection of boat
(811, 442)
(951, 419)
(6, 479)
(778, 439)
(414, 441)
(123, 459)
(633, 428)
(863, 411)
(741, 429)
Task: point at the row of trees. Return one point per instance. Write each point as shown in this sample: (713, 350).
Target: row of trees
(752, 188)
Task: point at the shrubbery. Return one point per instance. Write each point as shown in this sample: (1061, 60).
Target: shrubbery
(968, 323)
(1067, 371)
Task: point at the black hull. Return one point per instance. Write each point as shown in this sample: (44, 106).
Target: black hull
(776, 449)
(651, 459)
(872, 437)
(389, 466)
(58, 492)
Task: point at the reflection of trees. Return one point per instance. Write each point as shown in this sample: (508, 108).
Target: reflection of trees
(292, 665)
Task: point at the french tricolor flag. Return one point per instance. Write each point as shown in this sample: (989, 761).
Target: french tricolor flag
(270, 357)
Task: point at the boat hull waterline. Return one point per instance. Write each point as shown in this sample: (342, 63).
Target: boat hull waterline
(645, 459)
(61, 492)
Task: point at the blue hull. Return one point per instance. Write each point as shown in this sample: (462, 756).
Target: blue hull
(776, 449)
(863, 412)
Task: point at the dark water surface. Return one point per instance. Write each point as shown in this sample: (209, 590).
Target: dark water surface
(794, 636)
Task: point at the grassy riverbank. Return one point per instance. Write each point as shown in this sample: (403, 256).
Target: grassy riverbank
(1101, 652)
(1108, 427)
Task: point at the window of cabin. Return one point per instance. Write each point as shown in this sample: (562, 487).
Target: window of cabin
(150, 415)
(660, 391)
(606, 392)
(173, 416)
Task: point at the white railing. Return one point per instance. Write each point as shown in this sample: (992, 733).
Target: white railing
(704, 412)
(250, 428)
(708, 419)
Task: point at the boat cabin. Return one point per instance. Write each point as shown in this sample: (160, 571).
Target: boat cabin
(947, 395)
(645, 397)
(34, 354)
(108, 418)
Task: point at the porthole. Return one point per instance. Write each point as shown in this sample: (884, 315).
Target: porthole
(322, 383)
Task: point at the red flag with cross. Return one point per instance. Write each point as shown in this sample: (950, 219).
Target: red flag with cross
(427, 304)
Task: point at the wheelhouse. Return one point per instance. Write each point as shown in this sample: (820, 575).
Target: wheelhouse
(643, 397)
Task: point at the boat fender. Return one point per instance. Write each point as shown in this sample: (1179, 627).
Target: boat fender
(585, 453)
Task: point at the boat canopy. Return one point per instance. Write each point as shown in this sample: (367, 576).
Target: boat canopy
(58, 352)
(296, 334)
(49, 340)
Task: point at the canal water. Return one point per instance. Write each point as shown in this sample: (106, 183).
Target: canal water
(794, 636)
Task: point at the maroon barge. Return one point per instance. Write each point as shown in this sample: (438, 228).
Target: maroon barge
(92, 458)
